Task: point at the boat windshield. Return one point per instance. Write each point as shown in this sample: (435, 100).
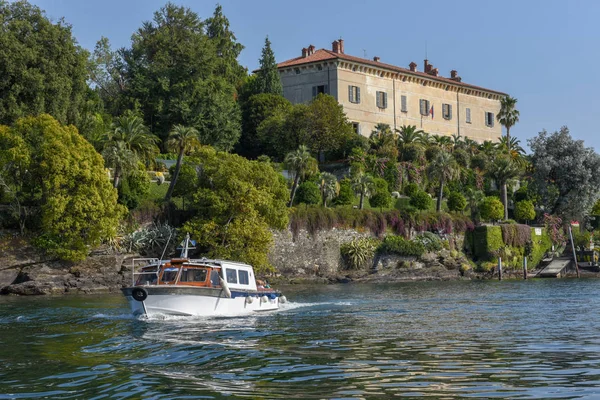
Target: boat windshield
(193, 275)
(169, 275)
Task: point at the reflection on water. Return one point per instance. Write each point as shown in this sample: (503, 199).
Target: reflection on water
(507, 339)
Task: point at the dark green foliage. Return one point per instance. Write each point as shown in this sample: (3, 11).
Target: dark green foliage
(456, 202)
(382, 198)
(516, 235)
(411, 189)
(346, 195)
(462, 158)
(308, 193)
(421, 200)
(391, 175)
(42, 68)
(491, 209)
(521, 194)
(399, 245)
(524, 210)
(480, 161)
(413, 152)
(133, 188)
(267, 78)
(432, 152)
(485, 240)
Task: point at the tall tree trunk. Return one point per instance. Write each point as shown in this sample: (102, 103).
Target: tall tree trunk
(438, 208)
(505, 200)
(508, 139)
(362, 199)
(117, 177)
(175, 176)
(294, 187)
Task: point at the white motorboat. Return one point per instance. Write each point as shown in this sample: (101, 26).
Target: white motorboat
(198, 287)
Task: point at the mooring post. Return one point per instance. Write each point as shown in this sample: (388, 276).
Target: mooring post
(499, 268)
(573, 249)
(525, 268)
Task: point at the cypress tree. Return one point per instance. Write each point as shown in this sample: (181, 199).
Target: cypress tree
(268, 80)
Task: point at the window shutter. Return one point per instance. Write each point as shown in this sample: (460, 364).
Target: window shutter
(378, 99)
(468, 115)
(403, 103)
(427, 107)
(359, 130)
(422, 106)
(384, 100)
(357, 94)
(314, 92)
(350, 94)
(449, 111)
(492, 118)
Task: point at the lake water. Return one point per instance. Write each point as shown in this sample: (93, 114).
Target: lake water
(510, 339)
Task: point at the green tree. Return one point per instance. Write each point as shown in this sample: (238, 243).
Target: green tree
(56, 185)
(235, 203)
(182, 140)
(502, 170)
(381, 198)
(524, 211)
(409, 134)
(267, 79)
(346, 195)
(421, 200)
(474, 198)
(329, 187)
(456, 202)
(363, 185)
(443, 168)
(106, 70)
(491, 209)
(298, 162)
(43, 69)
(383, 141)
(308, 193)
(508, 116)
(328, 127)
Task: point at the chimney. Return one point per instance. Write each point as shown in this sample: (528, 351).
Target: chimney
(413, 66)
(304, 52)
(454, 76)
(376, 59)
(335, 46)
(426, 66)
(341, 41)
(434, 72)
(311, 50)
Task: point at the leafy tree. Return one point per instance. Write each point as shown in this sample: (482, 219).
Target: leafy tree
(106, 70)
(382, 197)
(508, 116)
(182, 140)
(474, 198)
(565, 174)
(421, 200)
(409, 134)
(56, 186)
(299, 163)
(502, 170)
(329, 187)
(328, 127)
(235, 202)
(134, 187)
(363, 185)
(346, 194)
(413, 152)
(43, 69)
(456, 202)
(308, 193)
(383, 141)
(443, 168)
(491, 209)
(267, 79)
(524, 211)
(411, 189)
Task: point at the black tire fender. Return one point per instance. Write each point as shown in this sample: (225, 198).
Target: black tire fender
(139, 294)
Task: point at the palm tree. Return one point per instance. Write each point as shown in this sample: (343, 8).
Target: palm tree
(130, 129)
(409, 134)
(364, 185)
(488, 148)
(426, 139)
(121, 159)
(329, 186)
(182, 139)
(297, 162)
(445, 142)
(502, 170)
(383, 141)
(474, 197)
(508, 115)
(444, 168)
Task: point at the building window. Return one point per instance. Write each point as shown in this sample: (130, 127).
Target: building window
(403, 106)
(489, 119)
(354, 94)
(316, 90)
(297, 70)
(468, 115)
(447, 111)
(381, 98)
(243, 275)
(356, 127)
(424, 106)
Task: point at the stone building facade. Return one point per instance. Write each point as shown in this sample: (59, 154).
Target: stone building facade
(373, 92)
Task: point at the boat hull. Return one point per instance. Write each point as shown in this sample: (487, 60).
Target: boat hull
(185, 301)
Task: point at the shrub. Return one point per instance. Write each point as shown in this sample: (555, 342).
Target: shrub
(516, 235)
(413, 152)
(421, 200)
(357, 252)
(491, 209)
(524, 210)
(399, 245)
(462, 158)
(346, 195)
(432, 152)
(308, 193)
(456, 202)
(430, 241)
(382, 198)
(411, 189)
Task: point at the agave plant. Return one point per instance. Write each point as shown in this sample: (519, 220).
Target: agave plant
(358, 252)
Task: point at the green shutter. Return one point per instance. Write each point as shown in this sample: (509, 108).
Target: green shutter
(384, 100)
(449, 111)
(403, 103)
(378, 99)
(357, 94)
(350, 94)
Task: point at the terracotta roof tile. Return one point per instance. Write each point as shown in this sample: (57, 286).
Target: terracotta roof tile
(323, 54)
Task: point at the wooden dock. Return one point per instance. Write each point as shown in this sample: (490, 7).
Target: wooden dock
(557, 268)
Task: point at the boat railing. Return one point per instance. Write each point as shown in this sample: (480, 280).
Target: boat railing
(140, 263)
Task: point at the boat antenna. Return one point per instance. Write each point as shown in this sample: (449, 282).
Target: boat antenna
(165, 249)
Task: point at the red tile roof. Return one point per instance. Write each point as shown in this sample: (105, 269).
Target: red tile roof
(322, 55)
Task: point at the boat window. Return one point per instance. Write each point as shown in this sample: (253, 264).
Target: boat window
(231, 275)
(169, 274)
(243, 277)
(193, 275)
(214, 278)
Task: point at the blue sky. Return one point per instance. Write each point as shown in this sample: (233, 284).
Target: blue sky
(544, 53)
